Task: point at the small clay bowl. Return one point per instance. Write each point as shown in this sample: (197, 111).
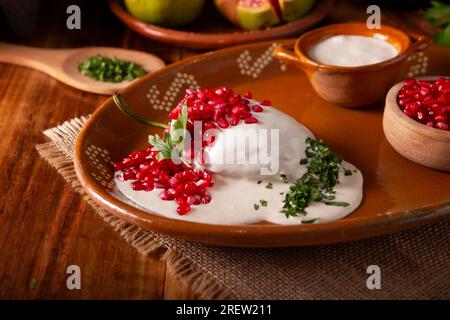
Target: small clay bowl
(415, 141)
(352, 86)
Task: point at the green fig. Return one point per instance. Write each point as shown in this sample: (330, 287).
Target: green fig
(169, 13)
(293, 9)
(259, 14)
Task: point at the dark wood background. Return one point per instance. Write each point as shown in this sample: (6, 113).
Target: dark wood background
(44, 224)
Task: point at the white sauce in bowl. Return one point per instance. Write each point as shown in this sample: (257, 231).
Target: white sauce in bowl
(352, 51)
(236, 189)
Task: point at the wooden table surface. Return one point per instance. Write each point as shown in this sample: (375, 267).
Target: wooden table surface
(44, 225)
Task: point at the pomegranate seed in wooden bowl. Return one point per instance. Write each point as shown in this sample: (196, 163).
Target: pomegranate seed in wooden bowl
(416, 120)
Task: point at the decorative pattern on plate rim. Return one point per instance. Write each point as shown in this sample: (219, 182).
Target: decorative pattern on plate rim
(419, 64)
(254, 70)
(170, 96)
(100, 159)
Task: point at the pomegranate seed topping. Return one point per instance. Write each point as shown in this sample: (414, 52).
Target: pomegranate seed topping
(138, 185)
(216, 108)
(223, 123)
(206, 199)
(245, 115)
(248, 95)
(165, 195)
(257, 108)
(234, 120)
(183, 208)
(251, 120)
(426, 102)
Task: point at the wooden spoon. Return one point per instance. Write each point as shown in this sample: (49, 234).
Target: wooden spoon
(62, 64)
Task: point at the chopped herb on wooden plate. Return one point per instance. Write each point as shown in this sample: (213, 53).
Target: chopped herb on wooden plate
(110, 69)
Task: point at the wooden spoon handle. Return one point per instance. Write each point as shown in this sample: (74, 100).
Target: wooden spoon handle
(45, 60)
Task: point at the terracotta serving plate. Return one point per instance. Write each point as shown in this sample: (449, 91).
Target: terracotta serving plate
(398, 193)
(211, 30)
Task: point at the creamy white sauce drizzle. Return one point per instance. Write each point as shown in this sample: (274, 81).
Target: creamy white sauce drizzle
(236, 187)
(352, 51)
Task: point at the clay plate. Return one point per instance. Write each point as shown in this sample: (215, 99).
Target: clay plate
(211, 30)
(398, 193)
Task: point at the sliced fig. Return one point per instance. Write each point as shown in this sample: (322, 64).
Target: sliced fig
(249, 14)
(294, 9)
(256, 14)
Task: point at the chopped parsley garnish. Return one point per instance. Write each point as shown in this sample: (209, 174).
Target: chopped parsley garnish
(172, 145)
(259, 182)
(269, 185)
(317, 184)
(256, 206)
(337, 203)
(347, 172)
(310, 221)
(263, 203)
(284, 178)
(108, 69)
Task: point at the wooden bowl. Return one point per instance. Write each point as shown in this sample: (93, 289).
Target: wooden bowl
(424, 145)
(352, 86)
(211, 30)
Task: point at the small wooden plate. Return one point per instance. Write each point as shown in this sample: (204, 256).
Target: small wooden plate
(212, 31)
(398, 193)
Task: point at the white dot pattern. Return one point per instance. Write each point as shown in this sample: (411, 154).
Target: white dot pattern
(99, 158)
(170, 98)
(419, 64)
(247, 68)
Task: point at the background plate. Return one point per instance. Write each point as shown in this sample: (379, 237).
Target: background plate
(398, 193)
(211, 30)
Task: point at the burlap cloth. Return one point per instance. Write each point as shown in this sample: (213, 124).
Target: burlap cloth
(414, 264)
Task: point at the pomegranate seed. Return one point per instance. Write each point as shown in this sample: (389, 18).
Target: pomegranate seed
(127, 162)
(193, 200)
(223, 123)
(426, 102)
(409, 82)
(413, 107)
(257, 108)
(421, 116)
(234, 120)
(266, 103)
(440, 118)
(183, 208)
(442, 126)
(210, 140)
(165, 195)
(206, 199)
(248, 95)
(138, 185)
(251, 120)
(245, 115)
(409, 113)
